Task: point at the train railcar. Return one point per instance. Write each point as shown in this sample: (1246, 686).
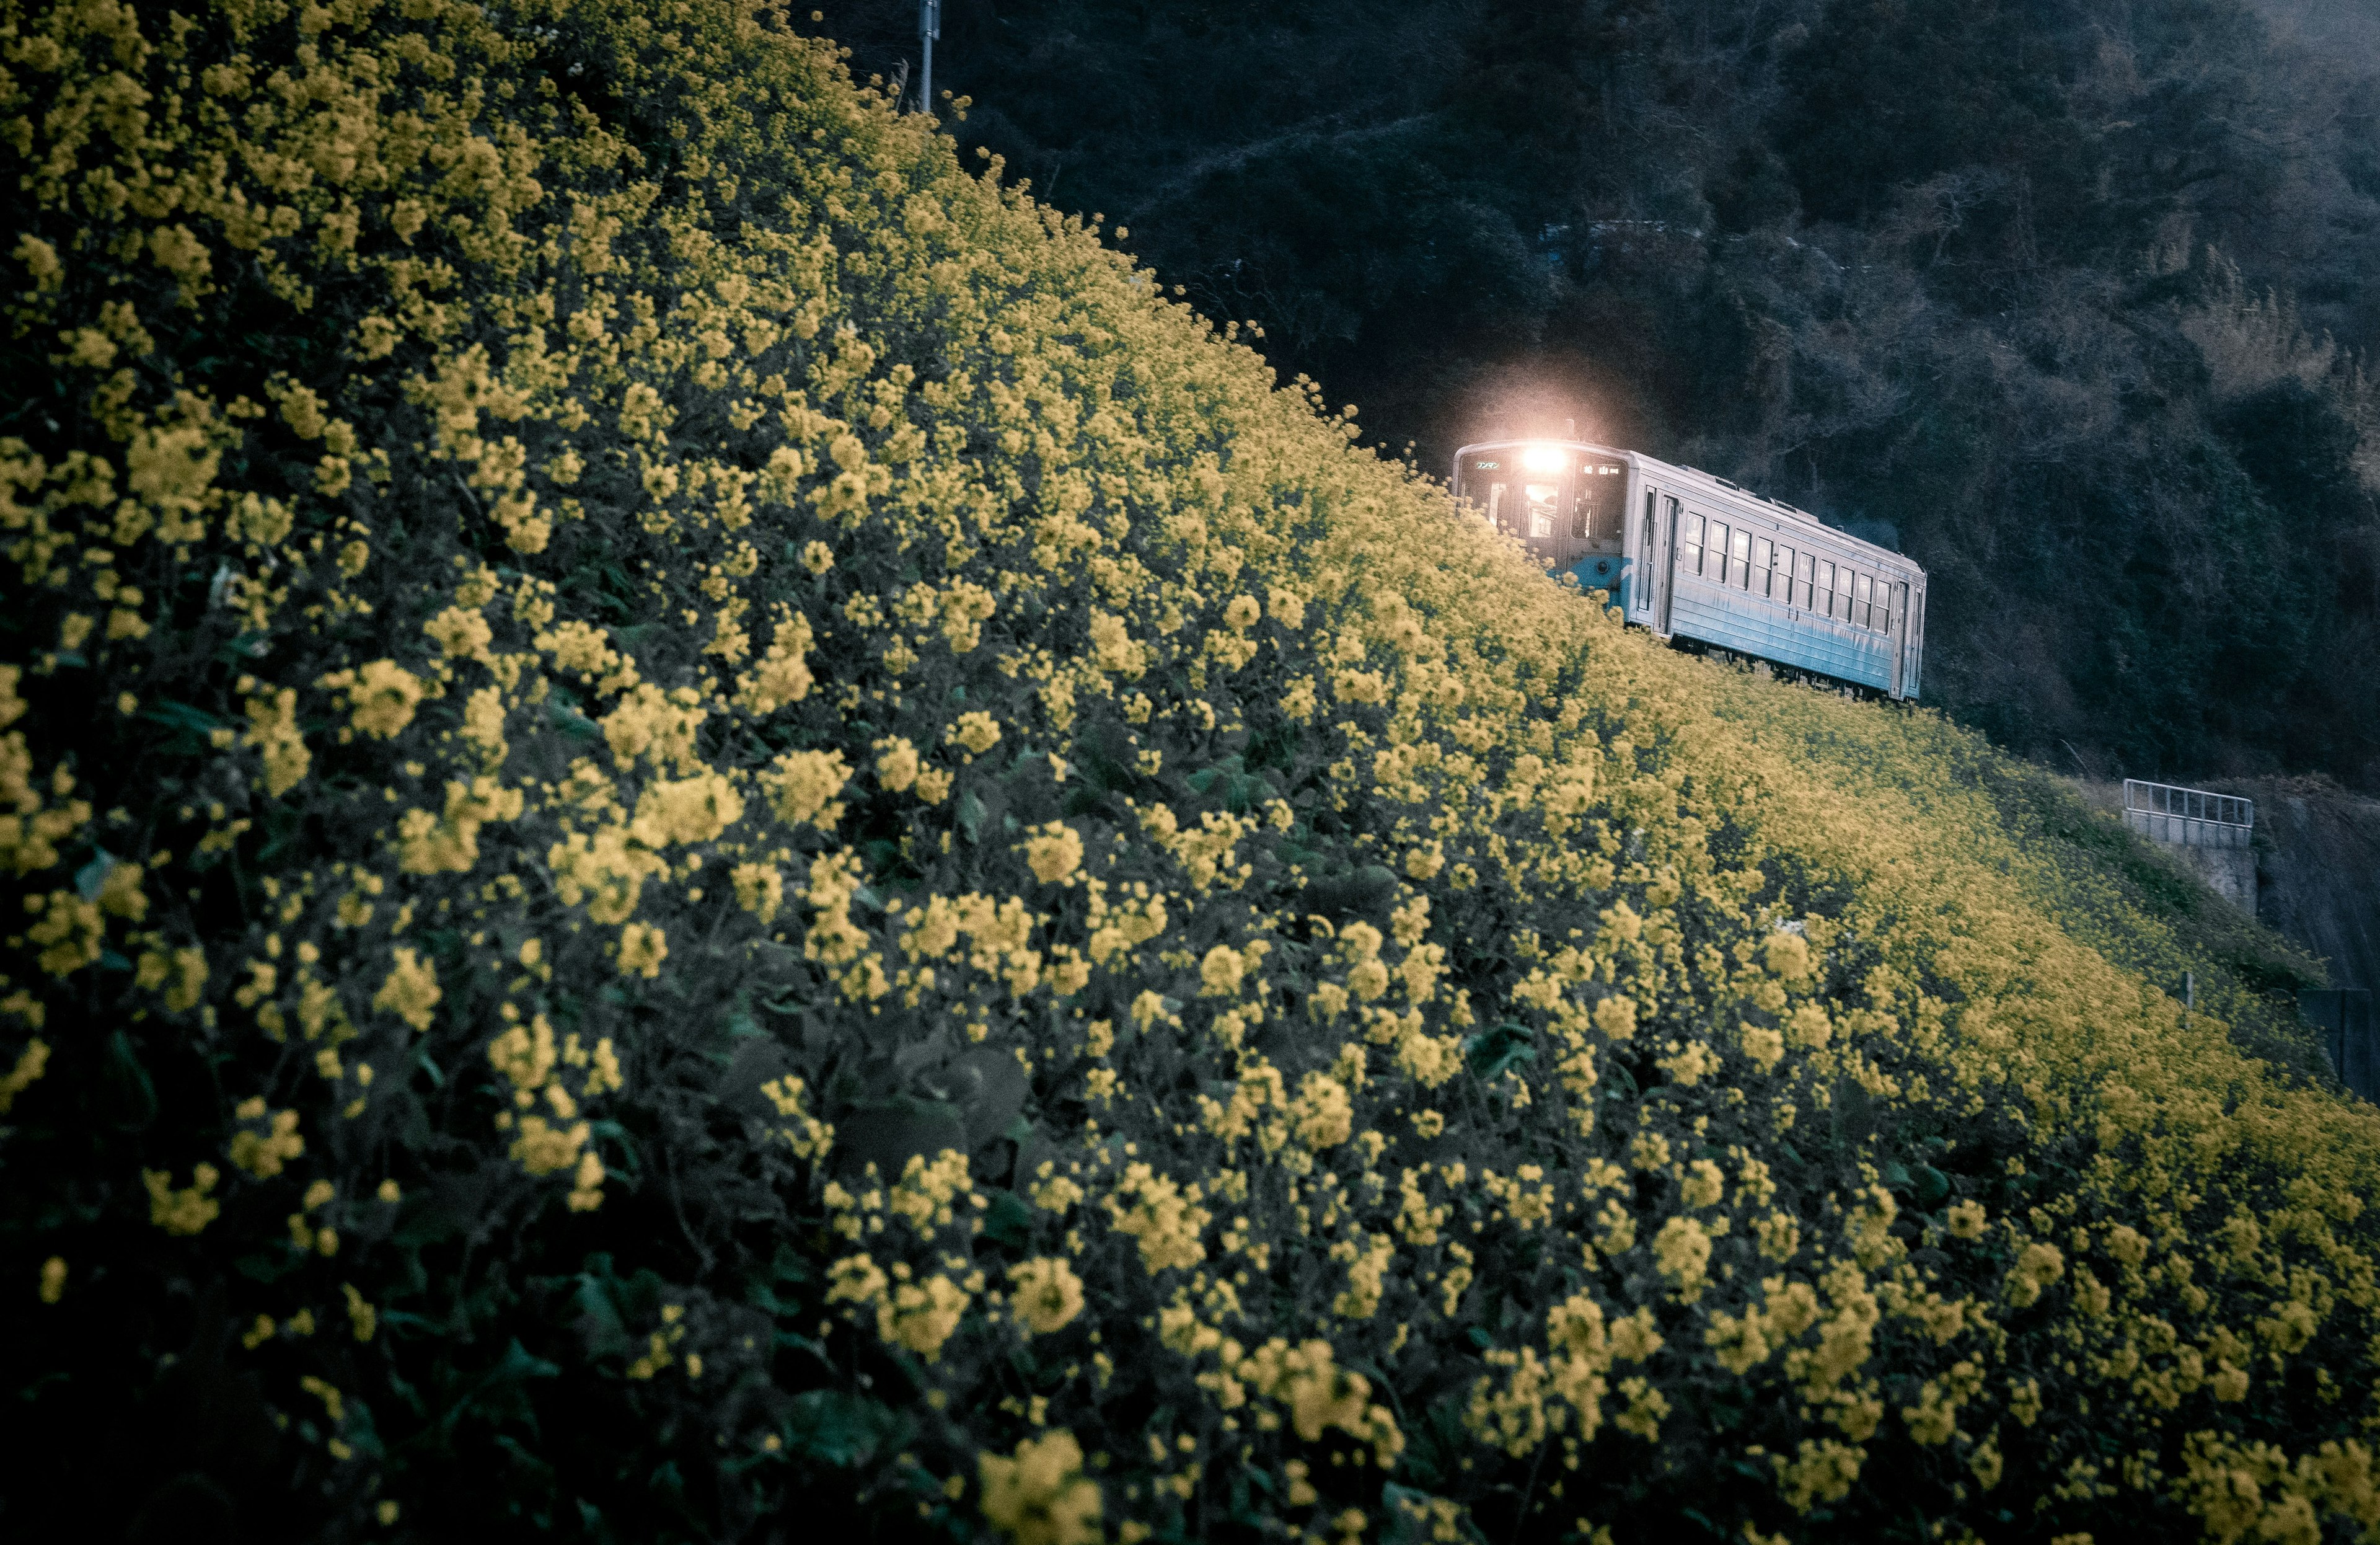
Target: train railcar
(1693, 556)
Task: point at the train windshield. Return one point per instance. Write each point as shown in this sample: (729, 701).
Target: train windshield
(1562, 502)
(1542, 499)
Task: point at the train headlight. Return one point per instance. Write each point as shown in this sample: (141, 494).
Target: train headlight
(1545, 458)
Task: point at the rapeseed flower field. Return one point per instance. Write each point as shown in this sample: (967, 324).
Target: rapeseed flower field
(713, 833)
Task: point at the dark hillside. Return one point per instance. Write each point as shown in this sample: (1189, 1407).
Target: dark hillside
(2068, 301)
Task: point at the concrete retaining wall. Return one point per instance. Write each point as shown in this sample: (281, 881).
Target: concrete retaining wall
(2230, 873)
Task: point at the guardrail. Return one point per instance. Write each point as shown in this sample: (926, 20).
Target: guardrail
(2195, 817)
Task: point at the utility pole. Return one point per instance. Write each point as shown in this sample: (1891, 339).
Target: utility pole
(929, 28)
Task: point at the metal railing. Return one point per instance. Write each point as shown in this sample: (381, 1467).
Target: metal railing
(2195, 817)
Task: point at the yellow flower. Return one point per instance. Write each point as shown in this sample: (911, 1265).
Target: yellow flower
(1054, 852)
(922, 1315)
(896, 764)
(1683, 1250)
(186, 1211)
(779, 676)
(976, 731)
(642, 949)
(1046, 1293)
(381, 697)
(1322, 1116)
(759, 890)
(1040, 1496)
(1221, 972)
(802, 787)
(410, 990)
(263, 1154)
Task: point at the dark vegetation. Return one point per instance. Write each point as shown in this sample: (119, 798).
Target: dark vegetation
(2067, 302)
(625, 1287)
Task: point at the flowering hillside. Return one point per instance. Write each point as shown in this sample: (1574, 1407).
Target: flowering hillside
(714, 836)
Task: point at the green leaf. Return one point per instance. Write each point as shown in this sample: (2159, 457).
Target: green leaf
(92, 876)
(891, 1136)
(842, 1429)
(130, 1090)
(1492, 1054)
(181, 717)
(1008, 1222)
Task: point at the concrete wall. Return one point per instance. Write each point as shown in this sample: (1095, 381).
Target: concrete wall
(2230, 873)
(2319, 871)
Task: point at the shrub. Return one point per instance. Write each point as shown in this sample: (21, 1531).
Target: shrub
(716, 836)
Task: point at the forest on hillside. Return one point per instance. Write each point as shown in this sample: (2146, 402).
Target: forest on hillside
(2072, 302)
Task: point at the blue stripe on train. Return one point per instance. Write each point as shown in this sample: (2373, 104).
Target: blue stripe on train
(1731, 619)
(1614, 576)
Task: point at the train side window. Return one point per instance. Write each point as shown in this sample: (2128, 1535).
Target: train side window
(1901, 602)
(1827, 589)
(1649, 534)
(1763, 552)
(1862, 596)
(1809, 571)
(1715, 565)
(1689, 542)
(1783, 587)
(1740, 550)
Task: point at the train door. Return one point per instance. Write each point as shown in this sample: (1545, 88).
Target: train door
(1897, 594)
(1910, 601)
(1657, 555)
(1912, 675)
(1598, 549)
(1636, 549)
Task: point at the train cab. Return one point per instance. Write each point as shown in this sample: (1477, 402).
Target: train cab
(1566, 501)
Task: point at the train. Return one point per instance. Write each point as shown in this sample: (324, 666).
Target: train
(1695, 558)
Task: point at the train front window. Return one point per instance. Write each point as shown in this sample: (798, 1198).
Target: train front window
(1597, 514)
(1542, 498)
(1496, 505)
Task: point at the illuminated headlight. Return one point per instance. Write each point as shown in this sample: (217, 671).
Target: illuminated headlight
(1545, 458)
